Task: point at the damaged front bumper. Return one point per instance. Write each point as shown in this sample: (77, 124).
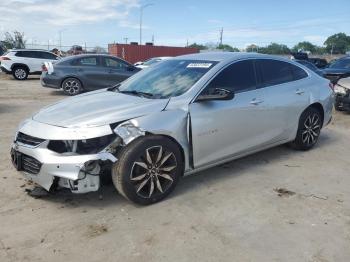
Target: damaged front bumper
(78, 172)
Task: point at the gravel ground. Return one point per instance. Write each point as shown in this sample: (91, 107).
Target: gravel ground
(277, 205)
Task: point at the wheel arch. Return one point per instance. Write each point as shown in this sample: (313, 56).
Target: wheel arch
(20, 65)
(318, 106)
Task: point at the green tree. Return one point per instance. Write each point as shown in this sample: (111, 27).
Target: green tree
(337, 43)
(14, 41)
(198, 46)
(275, 49)
(228, 48)
(305, 46)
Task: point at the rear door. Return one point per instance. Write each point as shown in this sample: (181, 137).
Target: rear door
(115, 70)
(285, 95)
(90, 72)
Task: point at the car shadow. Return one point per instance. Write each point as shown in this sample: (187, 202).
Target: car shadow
(6, 108)
(108, 195)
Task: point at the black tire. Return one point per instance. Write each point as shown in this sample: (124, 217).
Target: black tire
(20, 72)
(72, 86)
(134, 173)
(309, 129)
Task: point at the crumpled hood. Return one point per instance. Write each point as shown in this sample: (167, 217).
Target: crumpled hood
(97, 109)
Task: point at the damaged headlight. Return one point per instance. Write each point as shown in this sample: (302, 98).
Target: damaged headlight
(85, 146)
(340, 90)
(128, 132)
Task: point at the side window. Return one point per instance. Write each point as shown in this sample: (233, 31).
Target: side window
(46, 55)
(299, 73)
(114, 63)
(237, 77)
(86, 61)
(274, 72)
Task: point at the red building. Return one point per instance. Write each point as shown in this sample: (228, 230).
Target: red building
(134, 53)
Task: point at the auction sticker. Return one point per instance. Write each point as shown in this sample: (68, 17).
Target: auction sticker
(199, 65)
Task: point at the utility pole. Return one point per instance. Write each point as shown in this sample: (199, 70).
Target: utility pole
(141, 14)
(187, 42)
(153, 39)
(221, 33)
(60, 37)
(126, 40)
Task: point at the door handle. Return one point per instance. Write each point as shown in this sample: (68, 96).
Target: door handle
(256, 102)
(299, 92)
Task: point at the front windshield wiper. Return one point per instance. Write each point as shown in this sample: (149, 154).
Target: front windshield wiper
(113, 88)
(137, 93)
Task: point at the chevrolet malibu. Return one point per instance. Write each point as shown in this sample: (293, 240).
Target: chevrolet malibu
(176, 118)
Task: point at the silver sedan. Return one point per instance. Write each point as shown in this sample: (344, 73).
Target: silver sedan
(181, 116)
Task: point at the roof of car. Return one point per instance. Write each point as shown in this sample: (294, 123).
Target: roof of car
(225, 56)
(41, 50)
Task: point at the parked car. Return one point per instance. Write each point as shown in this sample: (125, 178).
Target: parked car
(299, 56)
(338, 69)
(342, 94)
(151, 61)
(178, 117)
(319, 62)
(310, 66)
(79, 73)
(23, 62)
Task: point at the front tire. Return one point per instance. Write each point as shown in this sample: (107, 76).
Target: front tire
(72, 86)
(20, 73)
(309, 129)
(148, 169)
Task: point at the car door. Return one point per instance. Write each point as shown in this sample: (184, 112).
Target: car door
(33, 60)
(285, 95)
(90, 72)
(116, 70)
(221, 129)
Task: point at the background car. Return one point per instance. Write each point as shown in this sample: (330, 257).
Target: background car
(310, 66)
(151, 61)
(338, 69)
(319, 62)
(342, 94)
(86, 72)
(23, 62)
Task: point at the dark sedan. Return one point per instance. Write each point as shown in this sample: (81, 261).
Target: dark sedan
(338, 69)
(80, 73)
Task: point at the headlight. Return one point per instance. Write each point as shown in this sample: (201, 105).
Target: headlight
(340, 90)
(128, 132)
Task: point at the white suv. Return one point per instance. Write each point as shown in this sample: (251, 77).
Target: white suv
(23, 62)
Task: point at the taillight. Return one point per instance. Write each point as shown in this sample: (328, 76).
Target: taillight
(44, 68)
(3, 58)
(331, 86)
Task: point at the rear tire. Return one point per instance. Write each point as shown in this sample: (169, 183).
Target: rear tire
(72, 86)
(309, 129)
(20, 73)
(148, 169)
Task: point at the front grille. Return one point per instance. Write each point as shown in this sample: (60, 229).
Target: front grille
(30, 165)
(28, 140)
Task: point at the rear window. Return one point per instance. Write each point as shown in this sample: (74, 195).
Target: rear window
(274, 72)
(86, 61)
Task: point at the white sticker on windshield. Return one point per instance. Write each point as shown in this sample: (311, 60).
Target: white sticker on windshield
(199, 65)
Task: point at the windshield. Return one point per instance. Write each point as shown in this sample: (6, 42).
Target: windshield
(341, 63)
(167, 79)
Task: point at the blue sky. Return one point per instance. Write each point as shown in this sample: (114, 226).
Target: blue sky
(174, 22)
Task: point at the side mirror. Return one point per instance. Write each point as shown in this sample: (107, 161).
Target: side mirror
(216, 94)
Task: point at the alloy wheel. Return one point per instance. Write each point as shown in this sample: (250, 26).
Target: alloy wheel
(20, 73)
(153, 173)
(71, 86)
(311, 129)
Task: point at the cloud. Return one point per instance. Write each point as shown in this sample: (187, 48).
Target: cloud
(316, 39)
(64, 12)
